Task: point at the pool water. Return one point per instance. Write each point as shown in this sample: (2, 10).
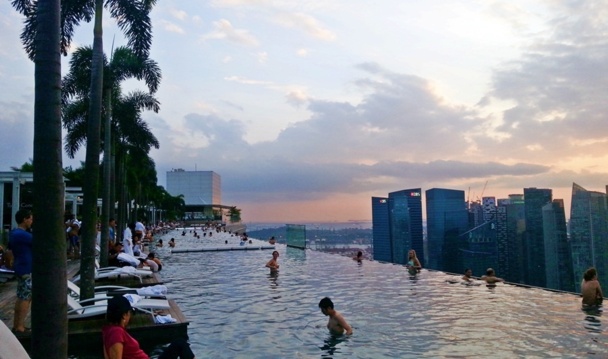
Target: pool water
(237, 309)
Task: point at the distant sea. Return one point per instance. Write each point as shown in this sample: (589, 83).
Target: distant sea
(253, 226)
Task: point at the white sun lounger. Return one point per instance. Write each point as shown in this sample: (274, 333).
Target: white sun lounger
(76, 310)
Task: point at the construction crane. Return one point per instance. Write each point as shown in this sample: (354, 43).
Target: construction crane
(484, 189)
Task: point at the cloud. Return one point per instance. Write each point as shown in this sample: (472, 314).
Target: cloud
(297, 97)
(262, 57)
(171, 27)
(223, 30)
(306, 23)
(246, 81)
(302, 52)
(179, 14)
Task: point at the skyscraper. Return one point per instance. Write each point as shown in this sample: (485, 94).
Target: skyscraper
(381, 230)
(397, 226)
(589, 234)
(447, 219)
(406, 224)
(534, 200)
(511, 262)
(558, 258)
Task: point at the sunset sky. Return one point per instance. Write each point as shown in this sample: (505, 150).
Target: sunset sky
(308, 109)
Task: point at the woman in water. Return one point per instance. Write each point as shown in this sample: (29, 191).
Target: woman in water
(413, 264)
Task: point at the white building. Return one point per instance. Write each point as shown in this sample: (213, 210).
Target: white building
(199, 188)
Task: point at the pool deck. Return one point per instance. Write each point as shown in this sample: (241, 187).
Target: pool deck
(85, 333)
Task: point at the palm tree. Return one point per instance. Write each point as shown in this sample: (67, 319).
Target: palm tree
(49, 307)
(124, 64)
(133, 17)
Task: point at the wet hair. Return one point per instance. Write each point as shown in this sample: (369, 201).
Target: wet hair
(490, 271)
(326, 303)
(466, 270)
(151, 255)
(22, 215)
(359, 254)
(117, 307)
(277, 252)
(589, 274)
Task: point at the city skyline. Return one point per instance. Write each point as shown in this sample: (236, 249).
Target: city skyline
(309, 110)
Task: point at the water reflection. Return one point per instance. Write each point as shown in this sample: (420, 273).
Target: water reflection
(272, 277)
(592, 320)
(296, 254)
(330, 345)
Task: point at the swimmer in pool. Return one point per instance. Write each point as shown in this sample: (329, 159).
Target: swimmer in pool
(336, 324)
(467, 277)
(273, 264)
(359, 256)
(591, 291)
(413, 264)
(491, 277)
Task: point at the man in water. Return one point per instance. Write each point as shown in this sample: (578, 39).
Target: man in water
(336, 324)
(273, 264)
(467, 277)
(359, 256)
(491, 277)
(591, 289)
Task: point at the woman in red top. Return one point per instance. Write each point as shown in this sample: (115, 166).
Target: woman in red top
(118, 344)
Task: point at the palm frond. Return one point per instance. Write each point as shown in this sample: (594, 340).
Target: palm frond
(133, 17)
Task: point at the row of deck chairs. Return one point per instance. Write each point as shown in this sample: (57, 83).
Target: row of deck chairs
(147, 300)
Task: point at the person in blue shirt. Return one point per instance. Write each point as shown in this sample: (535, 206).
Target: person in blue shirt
(20, 242)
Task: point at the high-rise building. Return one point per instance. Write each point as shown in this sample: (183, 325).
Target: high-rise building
(511, 261)
(477, 250)
(197, 187)
(397, 226)
(447, 219)
(589, 234)
(202, 192)
(534, 200)
(489, 208)
(381, 230)
(558, 258)
(406, 224)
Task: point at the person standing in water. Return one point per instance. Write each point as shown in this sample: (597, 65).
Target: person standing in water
(413, 264)
(273, 264)
(591, 291)
(491, 277)
(336, 323)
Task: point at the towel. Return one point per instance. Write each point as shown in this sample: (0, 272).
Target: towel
(158, 289)
(164, 319)
(132, 298)
(124, 257)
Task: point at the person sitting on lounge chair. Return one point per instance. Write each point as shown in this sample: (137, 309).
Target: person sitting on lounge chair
(118, 344)
(113, 255)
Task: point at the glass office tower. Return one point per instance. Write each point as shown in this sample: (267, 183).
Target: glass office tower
(447, 219)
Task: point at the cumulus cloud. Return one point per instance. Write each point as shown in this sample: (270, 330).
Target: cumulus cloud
(171, 27)
(297, 97)
(306, 23)
(223, 30)
(179, 14)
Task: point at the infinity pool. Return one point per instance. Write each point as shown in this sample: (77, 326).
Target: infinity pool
(238, 310)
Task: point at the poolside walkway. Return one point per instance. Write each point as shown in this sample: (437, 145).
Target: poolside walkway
(84, 334)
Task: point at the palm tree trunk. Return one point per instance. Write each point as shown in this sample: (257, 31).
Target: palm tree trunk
(49, 305)
(105, 213)
(122, 216)
(89, 205)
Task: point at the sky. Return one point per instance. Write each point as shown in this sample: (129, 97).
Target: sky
(308, 109)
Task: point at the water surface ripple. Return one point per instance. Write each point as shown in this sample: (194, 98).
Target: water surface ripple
(237, 309)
